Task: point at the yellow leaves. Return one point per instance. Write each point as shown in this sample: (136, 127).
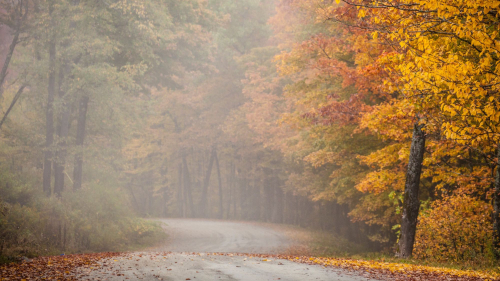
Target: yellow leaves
(382, 180)
(361, 13)
(406, 271)
(455, 229)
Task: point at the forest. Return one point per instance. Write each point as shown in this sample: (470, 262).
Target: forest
(377, 121)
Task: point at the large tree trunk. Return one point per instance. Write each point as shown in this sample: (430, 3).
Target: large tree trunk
(80, 138)
(206, 182)
(49, 116)
(411, 202)
(62, 133)
(496, 204)
(63, 122)
(221, 207)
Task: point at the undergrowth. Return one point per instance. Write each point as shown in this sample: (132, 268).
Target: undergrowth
(94, 219)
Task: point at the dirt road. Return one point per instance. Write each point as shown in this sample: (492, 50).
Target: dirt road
(188, 255)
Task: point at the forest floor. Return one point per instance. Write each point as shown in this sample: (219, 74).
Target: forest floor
(221, 250)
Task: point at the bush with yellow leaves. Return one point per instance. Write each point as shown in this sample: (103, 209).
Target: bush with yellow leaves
(457, 228)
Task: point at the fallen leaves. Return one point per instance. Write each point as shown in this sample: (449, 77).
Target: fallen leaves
(386, 270)
(400, 271)
(76, 267)
(70, 267)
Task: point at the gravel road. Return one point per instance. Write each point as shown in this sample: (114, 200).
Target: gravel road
(188, 255)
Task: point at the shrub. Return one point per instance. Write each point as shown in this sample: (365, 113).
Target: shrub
(455, 229)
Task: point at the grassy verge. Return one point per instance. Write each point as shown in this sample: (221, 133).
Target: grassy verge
(338, 250)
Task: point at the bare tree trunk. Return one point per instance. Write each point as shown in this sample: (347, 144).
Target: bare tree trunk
(221, 207)
(206, 182)
(80, 138)
(411, 202)
(49, 115)
(496, 205)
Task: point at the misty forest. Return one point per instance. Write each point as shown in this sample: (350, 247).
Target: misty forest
(371, 127)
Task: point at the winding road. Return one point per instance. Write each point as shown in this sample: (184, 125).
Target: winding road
(188, 255)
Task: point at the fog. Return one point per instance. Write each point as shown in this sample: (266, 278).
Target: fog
(116, 111)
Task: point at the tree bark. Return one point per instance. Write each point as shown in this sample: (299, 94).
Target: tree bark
(180, 197)
(21, 17)
(80, 138)
(62, 134)
(411, 201)
(14, 100)
(279, 202)
(63, 122)
(206, 182)
(187, 186)
(230, 184)
(221, 207)
(496, 205)
(49, 116)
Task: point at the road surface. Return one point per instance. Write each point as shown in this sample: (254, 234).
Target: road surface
(188, 255)
(210, 236)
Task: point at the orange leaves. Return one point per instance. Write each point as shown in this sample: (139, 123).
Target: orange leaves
(392, 120)
(70, 267)
(455, 229)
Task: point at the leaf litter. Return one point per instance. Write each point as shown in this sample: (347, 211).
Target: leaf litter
(76, 267)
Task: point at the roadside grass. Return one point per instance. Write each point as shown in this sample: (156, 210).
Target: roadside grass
(322, 244)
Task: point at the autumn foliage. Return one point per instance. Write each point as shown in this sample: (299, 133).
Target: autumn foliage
(454, 229)
(286, 111)
(362, 69)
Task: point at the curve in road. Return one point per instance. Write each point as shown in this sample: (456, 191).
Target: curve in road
(211, 236)
(187, 256)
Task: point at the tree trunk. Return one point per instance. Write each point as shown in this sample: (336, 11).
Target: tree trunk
(221, 207)
(6, 63)
(14, 100)
(20, 18)
(496, 205)
(80, 138)
(187, 186)
(180, 197)
(411, 202)
(49, 115)
(230, 198)
(62, 133)
(206, 182)
(279, 202)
